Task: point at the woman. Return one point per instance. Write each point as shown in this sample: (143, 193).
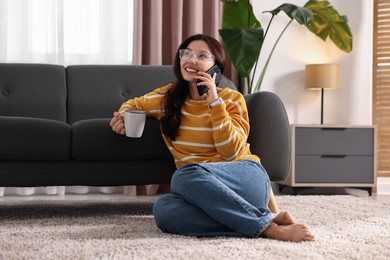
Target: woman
(219, 187)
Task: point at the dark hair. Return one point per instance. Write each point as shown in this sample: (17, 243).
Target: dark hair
(175, 98)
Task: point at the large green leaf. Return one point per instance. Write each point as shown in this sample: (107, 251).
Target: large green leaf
(243, 47)
(243, 36)
(238, 14)
(300, 14)
(327, 22)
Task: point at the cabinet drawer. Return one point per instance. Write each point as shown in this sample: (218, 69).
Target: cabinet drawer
(348, 169)
(334, 141)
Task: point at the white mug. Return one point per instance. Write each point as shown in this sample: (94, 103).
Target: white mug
(134, 122)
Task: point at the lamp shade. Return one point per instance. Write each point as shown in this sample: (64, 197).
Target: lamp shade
(322, 76)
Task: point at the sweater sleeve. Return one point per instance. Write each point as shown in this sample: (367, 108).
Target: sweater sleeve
(151, 103)
(230, 126)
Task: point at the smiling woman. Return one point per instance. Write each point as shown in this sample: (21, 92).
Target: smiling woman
(66, 32)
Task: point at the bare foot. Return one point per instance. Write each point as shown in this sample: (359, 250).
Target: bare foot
(284, 218)
(292, 232)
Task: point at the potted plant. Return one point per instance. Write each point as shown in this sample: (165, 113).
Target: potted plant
(243, 35)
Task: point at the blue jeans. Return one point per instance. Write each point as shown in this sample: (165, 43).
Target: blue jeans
(216, 199)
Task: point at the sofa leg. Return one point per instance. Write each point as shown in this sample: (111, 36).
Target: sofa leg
(272, 205)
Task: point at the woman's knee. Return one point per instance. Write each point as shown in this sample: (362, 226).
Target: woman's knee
(184, 176)
(161, 213)
(168, 213)
(160, 209)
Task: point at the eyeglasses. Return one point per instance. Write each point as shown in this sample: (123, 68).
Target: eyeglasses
(202, 56)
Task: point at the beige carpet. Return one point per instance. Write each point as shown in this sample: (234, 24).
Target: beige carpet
(346, 227)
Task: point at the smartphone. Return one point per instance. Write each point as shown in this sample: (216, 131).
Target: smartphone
(214, 69)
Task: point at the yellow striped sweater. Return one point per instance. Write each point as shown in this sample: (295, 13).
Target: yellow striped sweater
(215, 134)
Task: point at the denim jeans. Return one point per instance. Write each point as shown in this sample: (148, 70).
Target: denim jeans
(216, 199)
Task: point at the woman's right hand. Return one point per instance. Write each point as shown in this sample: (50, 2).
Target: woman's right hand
(117, 124)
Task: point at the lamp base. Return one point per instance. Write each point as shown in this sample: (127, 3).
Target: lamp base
(322, 106)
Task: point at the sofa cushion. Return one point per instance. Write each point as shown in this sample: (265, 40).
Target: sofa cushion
(33, 90)
(96, 91)
(24, 138)
(93, 139)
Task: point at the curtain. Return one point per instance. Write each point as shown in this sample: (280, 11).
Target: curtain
(66, 31)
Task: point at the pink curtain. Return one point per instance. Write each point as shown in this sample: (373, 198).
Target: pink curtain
(160, 27)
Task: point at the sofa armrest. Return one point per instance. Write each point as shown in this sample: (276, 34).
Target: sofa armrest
(269, 135)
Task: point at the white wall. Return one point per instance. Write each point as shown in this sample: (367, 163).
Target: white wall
(352, 102)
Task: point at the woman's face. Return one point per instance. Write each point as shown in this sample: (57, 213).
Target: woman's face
(196, 57)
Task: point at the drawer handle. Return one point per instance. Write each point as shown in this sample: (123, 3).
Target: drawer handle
(333, 156)
(333, 129)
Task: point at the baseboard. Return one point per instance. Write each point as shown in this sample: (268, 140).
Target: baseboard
(383, 185)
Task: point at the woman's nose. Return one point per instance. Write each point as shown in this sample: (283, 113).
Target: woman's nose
(192, 58)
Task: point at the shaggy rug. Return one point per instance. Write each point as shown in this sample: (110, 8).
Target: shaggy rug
(346, 227)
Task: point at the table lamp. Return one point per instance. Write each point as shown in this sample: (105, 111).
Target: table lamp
(322, 77)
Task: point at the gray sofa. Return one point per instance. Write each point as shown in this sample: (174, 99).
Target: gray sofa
(54, 127)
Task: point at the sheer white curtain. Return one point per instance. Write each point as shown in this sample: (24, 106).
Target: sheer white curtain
(66, 32)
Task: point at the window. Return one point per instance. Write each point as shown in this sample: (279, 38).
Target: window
(381, 84)
(66, 31)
